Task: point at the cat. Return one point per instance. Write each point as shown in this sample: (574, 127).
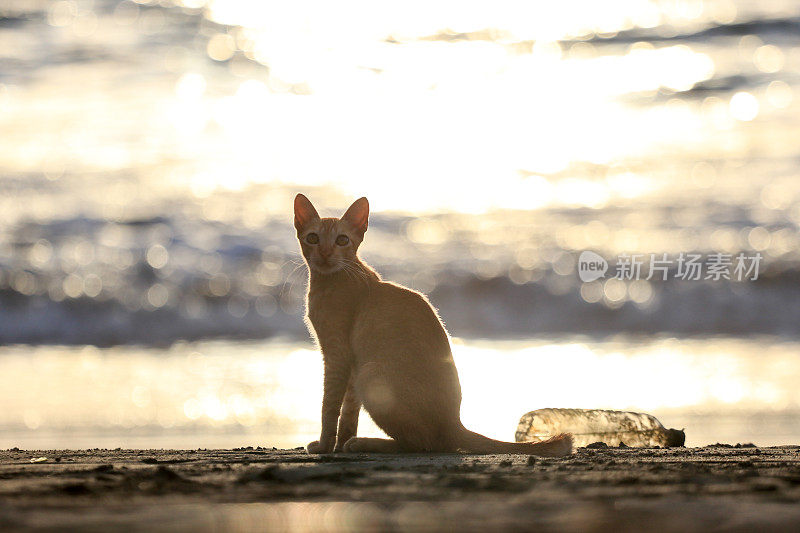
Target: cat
(383, 347)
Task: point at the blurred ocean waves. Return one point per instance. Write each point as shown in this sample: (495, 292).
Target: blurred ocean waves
(510, 274)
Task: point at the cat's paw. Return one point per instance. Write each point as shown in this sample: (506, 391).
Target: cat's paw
(315, 448)
(348, 446)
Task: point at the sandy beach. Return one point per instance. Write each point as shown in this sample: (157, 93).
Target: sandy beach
(716, 488)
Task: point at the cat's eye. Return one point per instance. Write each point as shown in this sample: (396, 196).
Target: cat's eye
(312, 238)
(342, 240)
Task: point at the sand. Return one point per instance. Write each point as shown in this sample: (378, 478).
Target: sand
(716, 488)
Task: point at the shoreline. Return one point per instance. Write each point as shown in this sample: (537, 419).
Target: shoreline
(718, 487)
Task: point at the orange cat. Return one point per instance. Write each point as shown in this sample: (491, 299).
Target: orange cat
(384, 347)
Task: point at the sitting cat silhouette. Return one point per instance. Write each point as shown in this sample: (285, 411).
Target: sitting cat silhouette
(383, 346)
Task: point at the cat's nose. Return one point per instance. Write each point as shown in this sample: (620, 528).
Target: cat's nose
(325, 252)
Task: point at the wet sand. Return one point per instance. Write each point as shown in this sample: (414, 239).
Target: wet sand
(715, 488)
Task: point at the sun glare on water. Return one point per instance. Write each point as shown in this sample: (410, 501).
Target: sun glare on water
(270, 393)
(422, 106)
(393, 103)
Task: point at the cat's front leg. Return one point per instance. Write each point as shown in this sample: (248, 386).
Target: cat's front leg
(337, 376)
(348, 419)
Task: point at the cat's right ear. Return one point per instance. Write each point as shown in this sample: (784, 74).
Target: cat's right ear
(357, 215)
(304, 212)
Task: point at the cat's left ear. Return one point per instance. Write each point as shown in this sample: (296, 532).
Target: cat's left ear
(357, 215)
(304, 212)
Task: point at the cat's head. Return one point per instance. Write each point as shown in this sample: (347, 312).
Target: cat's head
(329, 243)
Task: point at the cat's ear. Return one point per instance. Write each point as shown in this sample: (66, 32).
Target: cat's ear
(357, 215)
(304, 212)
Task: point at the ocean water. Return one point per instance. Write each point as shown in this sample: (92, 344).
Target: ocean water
(149, 153)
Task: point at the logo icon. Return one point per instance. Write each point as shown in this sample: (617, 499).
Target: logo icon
(591, 266)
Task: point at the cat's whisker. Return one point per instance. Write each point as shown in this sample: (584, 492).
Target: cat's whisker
(348, 270)
(353, 268)
(350, 274)
(288, 278)
(292, 262)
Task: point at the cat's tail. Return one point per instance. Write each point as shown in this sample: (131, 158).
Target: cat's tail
(557, 446)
